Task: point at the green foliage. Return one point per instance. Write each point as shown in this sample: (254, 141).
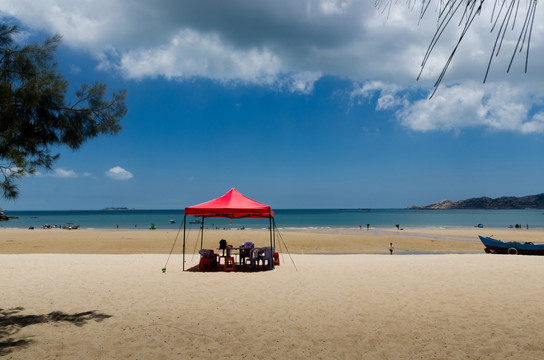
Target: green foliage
(34, 113)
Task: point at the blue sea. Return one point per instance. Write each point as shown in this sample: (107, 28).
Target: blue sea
(285, 219)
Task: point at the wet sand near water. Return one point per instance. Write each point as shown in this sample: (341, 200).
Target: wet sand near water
(305, 241)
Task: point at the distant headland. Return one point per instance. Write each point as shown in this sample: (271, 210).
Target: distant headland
(505, 202)
(3, 217)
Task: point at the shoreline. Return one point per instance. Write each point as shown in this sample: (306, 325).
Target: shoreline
(300, 241)
(291, 228)
(286, 219)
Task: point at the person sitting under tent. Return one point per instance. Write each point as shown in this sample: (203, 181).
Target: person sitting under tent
(223, 245)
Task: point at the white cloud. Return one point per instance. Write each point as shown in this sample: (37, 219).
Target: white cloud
(335, 6)
(14, 171)
(289, 45)
(191, 54)
(534, 125)
(62, 173)
(452, 108)
(493, 106)
(387, 94)
(301, 83)
(118, 173)
(262, 42)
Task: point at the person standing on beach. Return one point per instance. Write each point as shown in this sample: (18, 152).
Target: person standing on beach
(391, 248)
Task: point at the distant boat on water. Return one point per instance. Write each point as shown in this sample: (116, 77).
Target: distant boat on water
(495, 246)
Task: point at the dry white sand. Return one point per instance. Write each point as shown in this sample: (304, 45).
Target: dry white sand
(469, 306)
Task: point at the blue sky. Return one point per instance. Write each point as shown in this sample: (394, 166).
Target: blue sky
(297, 104)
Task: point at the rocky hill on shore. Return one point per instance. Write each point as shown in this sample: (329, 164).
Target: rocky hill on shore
(3, 217)
(505, 202)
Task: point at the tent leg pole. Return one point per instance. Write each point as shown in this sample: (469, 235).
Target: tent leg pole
(270, 227)
(270, 266)
(202, 234)
(274, 233)
(184, 223)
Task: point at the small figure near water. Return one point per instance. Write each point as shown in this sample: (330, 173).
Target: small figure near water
(391, 248)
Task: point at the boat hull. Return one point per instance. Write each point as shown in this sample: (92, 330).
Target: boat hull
(495, 246)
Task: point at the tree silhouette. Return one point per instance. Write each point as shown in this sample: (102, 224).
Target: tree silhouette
(503, 18)
(35, 115)
(11, 322)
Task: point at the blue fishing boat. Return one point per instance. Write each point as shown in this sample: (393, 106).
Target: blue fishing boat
(495, 246)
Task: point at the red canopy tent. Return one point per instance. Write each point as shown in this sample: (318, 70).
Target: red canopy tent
(232, 205)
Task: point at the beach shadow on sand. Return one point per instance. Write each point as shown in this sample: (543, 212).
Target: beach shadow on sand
(12, 321)
(238, 268)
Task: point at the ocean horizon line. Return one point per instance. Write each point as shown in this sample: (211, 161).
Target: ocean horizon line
(277, 209)
(284, 218)
(183, 209)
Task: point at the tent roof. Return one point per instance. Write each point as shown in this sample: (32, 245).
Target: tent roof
(231, 205)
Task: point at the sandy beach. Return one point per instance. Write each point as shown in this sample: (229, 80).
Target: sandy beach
(90, 294)
(318, 241)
